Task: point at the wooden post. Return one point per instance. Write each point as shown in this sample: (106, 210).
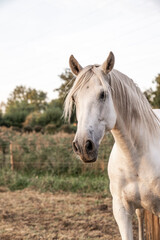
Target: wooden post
(3, 156)
(152, 225)
(156, 226)
(11, 156)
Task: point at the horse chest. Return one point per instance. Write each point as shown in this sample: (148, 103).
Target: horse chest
(150, 195)
(134, 190)
(142, 194)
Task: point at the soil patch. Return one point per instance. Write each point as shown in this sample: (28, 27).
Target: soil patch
(28, 214)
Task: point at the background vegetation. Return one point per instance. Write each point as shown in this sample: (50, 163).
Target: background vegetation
(28, 109)
(47, 162)
(36, 143)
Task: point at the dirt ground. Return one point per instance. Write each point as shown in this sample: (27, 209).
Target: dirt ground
(28, 214)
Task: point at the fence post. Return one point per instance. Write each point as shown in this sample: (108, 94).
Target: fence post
(152, 225)
(11, 156)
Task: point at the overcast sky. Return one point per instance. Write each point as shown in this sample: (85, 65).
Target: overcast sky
(38, 36)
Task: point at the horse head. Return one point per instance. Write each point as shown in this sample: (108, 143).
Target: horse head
(91, 94)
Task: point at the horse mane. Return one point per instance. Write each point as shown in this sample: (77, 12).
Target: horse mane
(130, 103)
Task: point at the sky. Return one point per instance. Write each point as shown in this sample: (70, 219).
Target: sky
(37, 38)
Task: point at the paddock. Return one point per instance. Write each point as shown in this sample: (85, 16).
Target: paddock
(29, 214)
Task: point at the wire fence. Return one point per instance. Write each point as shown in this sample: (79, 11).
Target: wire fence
(43, 152)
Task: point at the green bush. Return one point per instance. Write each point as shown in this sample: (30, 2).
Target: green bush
(51, 128)
(27, 129)
(38, 128)
(68, 128)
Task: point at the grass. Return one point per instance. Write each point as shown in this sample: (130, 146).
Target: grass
(53, 183)
(47, 163)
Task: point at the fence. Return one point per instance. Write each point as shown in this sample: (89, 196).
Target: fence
(152, 225)
(44, 152)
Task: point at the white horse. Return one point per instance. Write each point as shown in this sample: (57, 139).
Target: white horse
(107, 100)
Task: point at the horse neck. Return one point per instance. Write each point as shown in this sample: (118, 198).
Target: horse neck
(130, 140)
(135, 147)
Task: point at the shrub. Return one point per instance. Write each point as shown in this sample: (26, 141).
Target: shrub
(68, 128)
(32, 119)
(27, 129)
(38, 128)
(51, 128)
(17, 129)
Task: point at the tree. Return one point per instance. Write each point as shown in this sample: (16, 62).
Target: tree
(21, 103)
(52, 114)
(67, 82)
(153, 96)
(1, 117)
(2, 108)
(36, 100)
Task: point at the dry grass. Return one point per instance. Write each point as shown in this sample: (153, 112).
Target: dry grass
(29, 214)
(37, 153)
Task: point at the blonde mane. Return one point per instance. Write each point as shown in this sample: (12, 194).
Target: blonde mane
(129, 101)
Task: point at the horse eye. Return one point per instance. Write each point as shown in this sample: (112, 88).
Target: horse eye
(102, 95)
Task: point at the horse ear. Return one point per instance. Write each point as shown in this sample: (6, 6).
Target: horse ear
(107, 66)
(74, 65)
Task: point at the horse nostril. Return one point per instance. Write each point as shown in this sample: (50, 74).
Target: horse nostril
(89, 146)
(75, 147)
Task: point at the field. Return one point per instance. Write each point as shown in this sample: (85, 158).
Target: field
(47, 162)
(28, 214)
(47, 193)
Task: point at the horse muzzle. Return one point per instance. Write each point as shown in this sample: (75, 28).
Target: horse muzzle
(87, 151)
